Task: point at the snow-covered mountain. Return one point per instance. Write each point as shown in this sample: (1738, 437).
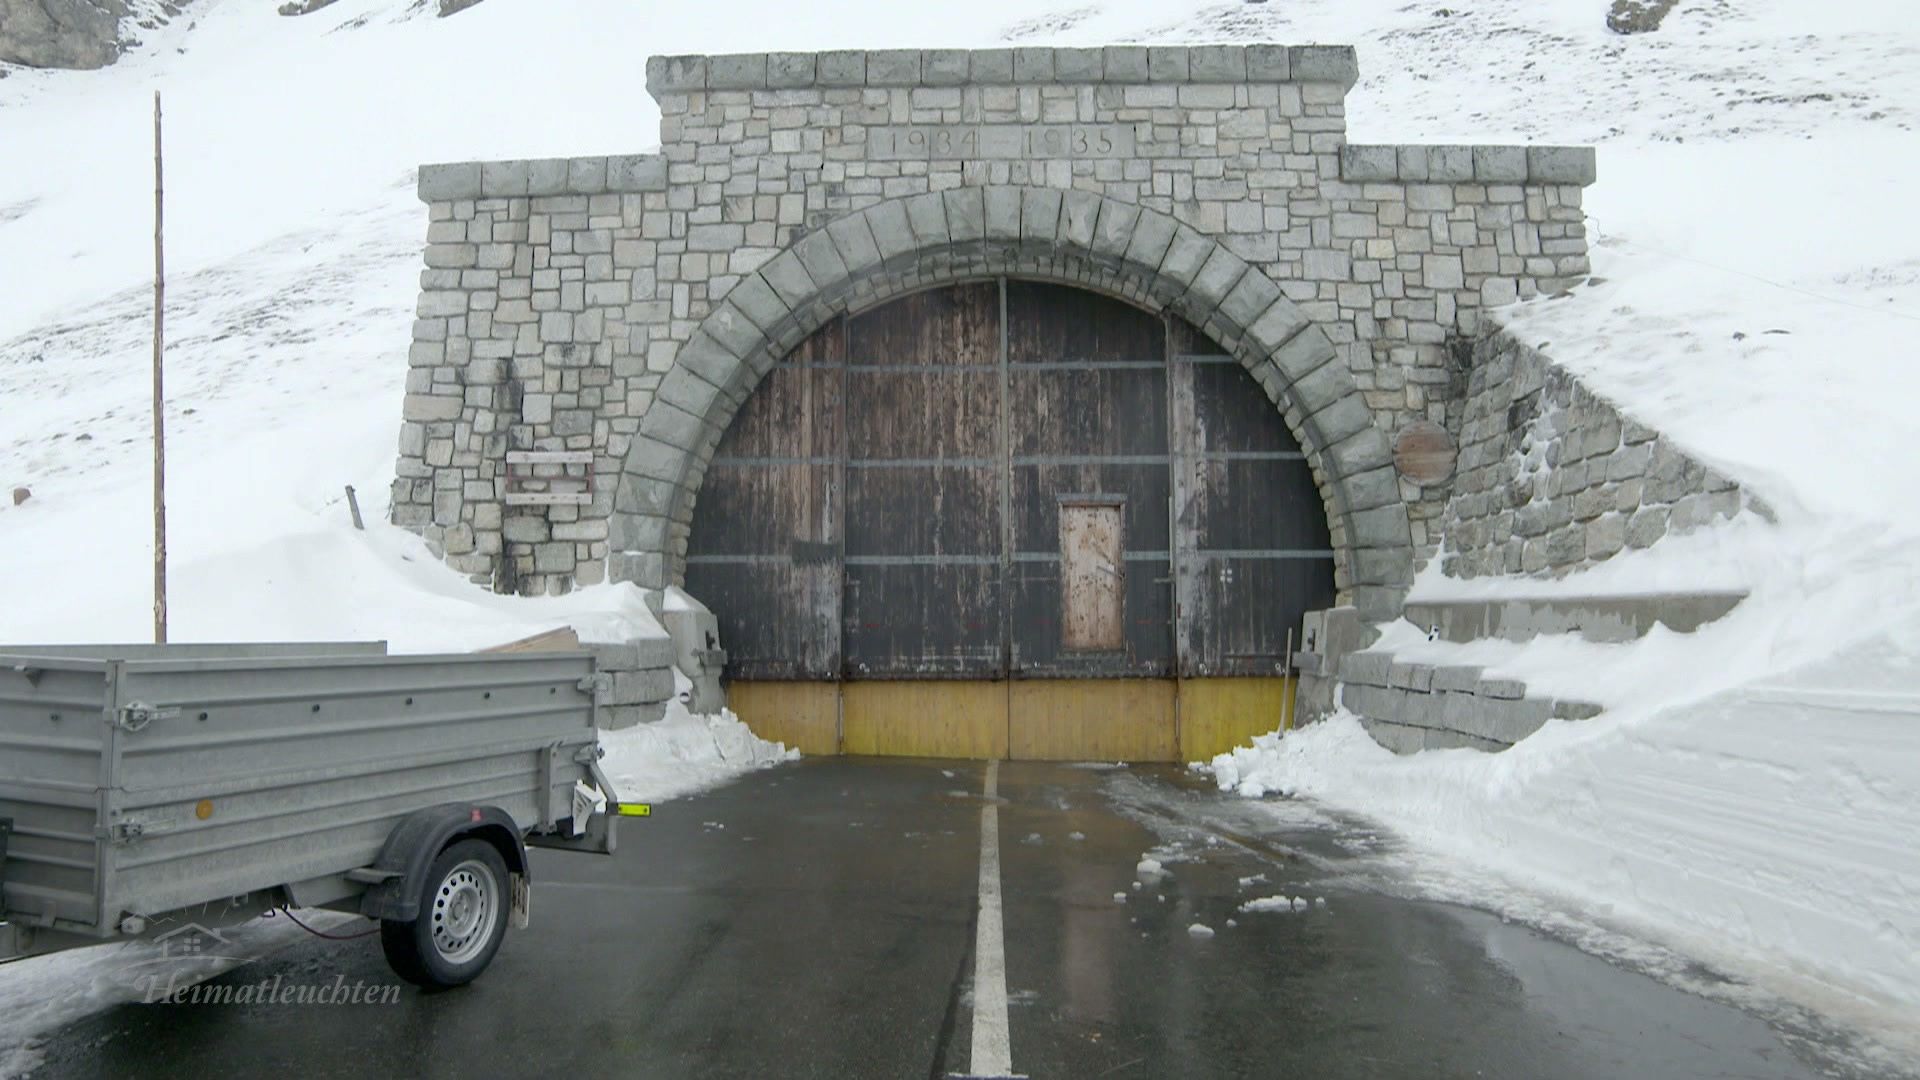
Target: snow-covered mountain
(1757, 285)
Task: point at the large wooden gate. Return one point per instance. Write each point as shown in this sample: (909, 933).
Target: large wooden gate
(1009, 518)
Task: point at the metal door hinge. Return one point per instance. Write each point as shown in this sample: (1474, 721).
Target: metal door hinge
(597, 685)
(121, 832)
(139, 714)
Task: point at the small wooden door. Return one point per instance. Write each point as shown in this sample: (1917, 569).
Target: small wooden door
(1093, 576)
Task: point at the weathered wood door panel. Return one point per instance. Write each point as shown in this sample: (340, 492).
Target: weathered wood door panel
(1251, 548)
(1087, 407)
(765, 547)
(925, 488)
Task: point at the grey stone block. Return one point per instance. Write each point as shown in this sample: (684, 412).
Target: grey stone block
(1396, 737)
(1364, 450)
(893, 67)
(1514, 719)
(1077, 65)
(1494, 164)
(1125, 63)
(1249, 298)
(445, 183)
(1002, 208)
(789, 279)
(737, 71)
(1647, 527)
(503, 178)
(1114, 230)
(1366, 668)
(1449, 164)
(1168, 63)
(587, 176)
(854, 241)
(1504, 689)
(1302, 353)
(1575, 710)
(1217, 63)
(1325, 64)
(927, 215)
(1217, 275)
(944, 67)
(1408, 676)
(1462, 678)
(1360, 164)
(1152, 236)
(790, 70)
(966, 214)
(1033, 65)
(892, 232)
(670, 74)
(637, 173)
(1561, 165)
(644, 687)
(1411, 162)
(821, 257)
(1383, 566)
(841, 67)
(1268, 63)
(1040, 215)
(991, 66)
(618, 717)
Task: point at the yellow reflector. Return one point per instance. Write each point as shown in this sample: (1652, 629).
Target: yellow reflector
(636, 809)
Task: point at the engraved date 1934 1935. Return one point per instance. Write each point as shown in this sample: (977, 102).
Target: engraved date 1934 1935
(1013, 142)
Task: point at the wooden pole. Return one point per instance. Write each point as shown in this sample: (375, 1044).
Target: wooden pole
(159, 389)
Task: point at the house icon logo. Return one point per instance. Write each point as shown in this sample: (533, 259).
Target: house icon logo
(191, 941)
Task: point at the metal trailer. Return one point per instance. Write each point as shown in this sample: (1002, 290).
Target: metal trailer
(148, 789)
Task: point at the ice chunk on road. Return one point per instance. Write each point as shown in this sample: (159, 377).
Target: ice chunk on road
(1148, 869)
(1120, 898)
(1277, 904)
(1200, 930)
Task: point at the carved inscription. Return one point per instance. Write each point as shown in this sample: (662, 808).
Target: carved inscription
(1004, 142)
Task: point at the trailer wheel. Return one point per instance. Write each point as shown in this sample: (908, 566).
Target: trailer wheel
(463, 918)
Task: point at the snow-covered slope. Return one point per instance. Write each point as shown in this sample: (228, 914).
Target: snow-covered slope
(1755, 162)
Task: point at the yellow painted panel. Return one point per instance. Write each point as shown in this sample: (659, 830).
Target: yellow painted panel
(1092, 720)
(804, 715)
(1217, 715)
(935, 718)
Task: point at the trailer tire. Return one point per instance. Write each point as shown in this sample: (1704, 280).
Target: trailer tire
(463, 918)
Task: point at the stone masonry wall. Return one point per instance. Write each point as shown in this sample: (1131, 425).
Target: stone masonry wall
(1552, 478)
(557, 294)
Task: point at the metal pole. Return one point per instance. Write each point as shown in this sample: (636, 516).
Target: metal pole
(159, 389)
(1287, 685)
(353, 504)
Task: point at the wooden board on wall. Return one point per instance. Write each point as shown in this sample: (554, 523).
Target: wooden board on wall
(948, 718)
(803, 715)
(1217, 715)
(1091, 720)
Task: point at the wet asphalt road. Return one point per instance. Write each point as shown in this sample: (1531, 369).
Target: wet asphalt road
(816, 920)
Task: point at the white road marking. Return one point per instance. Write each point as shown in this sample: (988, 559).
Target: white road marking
(992, 1044)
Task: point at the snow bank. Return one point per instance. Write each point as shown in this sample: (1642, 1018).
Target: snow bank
(683, 754)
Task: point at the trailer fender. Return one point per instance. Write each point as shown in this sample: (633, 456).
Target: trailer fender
(413, 844)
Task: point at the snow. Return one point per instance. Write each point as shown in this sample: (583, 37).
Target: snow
(684, 754)
(1200, 931)
(1748, 797)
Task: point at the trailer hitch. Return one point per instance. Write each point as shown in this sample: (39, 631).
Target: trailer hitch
(138, 715)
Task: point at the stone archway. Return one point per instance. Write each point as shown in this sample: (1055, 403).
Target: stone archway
(1073, 237)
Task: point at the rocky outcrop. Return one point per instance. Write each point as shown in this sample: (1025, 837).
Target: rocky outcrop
(61, 33)
(1637, 16)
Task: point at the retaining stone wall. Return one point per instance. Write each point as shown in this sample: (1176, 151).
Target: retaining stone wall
(558, 294)
(1408, 707)
(1552, 478)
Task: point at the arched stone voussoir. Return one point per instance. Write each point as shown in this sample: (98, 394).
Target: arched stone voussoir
(1075, 237)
